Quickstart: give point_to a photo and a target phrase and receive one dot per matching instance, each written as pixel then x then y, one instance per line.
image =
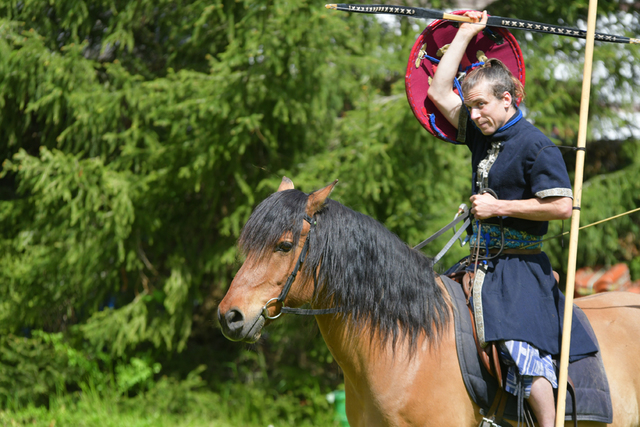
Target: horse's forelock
pixel 279 213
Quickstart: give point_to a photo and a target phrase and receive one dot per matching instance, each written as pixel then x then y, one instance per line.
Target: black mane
pixel 364 268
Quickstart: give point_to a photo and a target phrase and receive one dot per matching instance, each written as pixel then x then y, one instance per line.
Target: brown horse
pixel 394 337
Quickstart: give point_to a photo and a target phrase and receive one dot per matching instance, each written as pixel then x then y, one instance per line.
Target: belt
pixel 516 251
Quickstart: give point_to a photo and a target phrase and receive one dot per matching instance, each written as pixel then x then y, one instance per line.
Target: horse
pixel 387 317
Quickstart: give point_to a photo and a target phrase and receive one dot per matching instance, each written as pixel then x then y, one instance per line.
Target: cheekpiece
pixel 426 54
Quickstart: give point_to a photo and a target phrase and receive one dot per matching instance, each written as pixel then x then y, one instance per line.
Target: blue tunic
pixel 521 299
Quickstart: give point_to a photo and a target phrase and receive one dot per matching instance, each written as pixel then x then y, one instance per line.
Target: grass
pixel 91 410
pixel 242 407
pixel 96 391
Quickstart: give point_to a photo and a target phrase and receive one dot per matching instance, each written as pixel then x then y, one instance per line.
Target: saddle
pixel 488 356
pixel 483 379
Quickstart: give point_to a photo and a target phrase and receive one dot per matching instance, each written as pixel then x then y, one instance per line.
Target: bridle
pixel 287 287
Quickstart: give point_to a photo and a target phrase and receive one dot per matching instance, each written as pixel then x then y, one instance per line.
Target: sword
pixel 493 21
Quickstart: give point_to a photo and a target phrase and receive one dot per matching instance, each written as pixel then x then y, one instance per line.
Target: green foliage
pixel 82 388
pixel 32 369
pixel 604 196
pixel 133 183
pixel 137 373
pixel 76 208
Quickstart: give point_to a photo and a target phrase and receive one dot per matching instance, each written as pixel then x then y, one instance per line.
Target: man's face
pixel 488 112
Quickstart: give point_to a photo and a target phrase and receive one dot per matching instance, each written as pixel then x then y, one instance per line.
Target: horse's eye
pixel 284 247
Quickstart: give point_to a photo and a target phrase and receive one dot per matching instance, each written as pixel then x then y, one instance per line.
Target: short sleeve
pixel 549 177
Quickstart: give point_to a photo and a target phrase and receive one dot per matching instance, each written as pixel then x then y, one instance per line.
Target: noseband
pixel 287 287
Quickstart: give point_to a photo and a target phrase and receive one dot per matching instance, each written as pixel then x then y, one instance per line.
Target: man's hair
pixel 499 78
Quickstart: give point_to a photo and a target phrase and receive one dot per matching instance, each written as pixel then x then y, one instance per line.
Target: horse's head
pixel 273 240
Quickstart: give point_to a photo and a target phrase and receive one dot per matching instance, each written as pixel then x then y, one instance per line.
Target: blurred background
pixel 136 137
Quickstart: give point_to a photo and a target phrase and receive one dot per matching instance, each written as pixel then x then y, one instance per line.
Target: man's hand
pixel 479 19
pixel 483 206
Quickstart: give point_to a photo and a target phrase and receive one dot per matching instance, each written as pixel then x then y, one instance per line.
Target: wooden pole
pixel 575 217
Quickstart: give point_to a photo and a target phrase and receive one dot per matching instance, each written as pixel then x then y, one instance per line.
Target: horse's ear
pixel 286 184
pixel 317 199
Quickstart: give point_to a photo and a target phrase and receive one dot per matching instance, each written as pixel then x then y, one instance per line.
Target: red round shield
pixel 425 56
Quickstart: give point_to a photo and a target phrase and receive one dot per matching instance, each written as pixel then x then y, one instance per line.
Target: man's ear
pixel 507 99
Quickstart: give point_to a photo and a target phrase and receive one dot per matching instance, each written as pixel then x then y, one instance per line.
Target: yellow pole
pixel 575 217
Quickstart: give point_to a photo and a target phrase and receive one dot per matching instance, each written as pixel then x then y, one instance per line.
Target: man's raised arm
pixel 441 89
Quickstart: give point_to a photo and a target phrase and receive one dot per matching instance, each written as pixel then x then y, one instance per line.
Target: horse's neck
pixel 384 382
pixel 359 355
pixel 358 352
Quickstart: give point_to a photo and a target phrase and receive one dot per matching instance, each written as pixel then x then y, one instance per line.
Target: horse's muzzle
pixel 236 327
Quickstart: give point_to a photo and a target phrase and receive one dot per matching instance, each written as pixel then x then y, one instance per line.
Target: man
pixel 517 299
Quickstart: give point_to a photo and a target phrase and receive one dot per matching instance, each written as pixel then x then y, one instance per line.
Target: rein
pixel 462 215
pixel 287 287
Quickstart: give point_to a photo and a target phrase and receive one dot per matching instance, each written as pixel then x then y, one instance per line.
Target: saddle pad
pixel 588 375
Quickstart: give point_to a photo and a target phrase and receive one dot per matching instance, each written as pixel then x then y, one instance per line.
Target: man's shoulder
pixel 532 136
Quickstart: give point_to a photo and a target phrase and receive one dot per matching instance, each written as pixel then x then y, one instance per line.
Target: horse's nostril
pixel 234 317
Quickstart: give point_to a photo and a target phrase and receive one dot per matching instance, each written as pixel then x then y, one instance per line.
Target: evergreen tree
pixel 137 138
